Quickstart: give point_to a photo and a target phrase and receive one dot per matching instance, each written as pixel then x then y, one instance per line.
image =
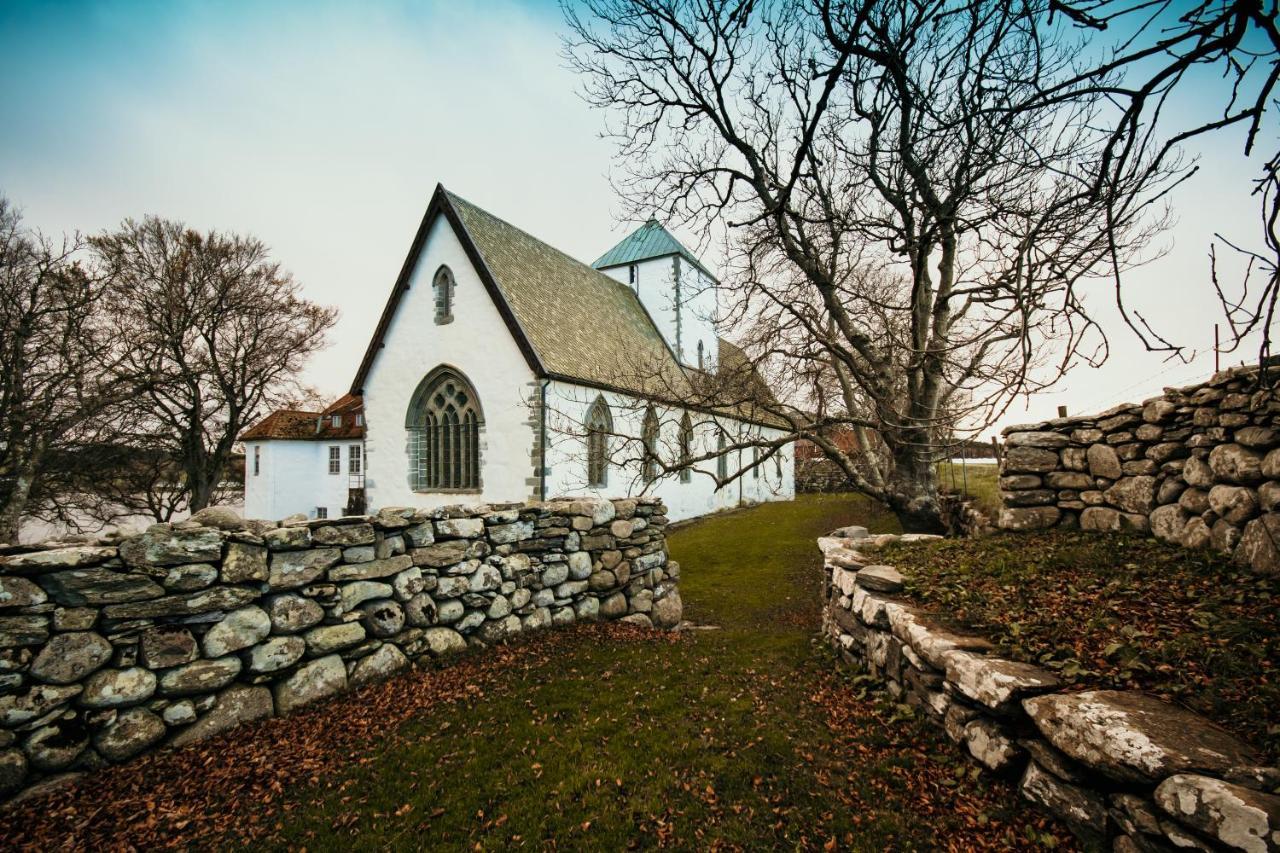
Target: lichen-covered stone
pixel 1239 818
pixel 1029 460
pixel 38 562
pixel 1232 463
pixel 991 745
pixel 202 676
pixel 238 630
pixel 668 610
pixel 187 604
pixel 68 658
pixel 292 613
pixel 162 545
pixel 994 682
pixel 316 680
pixel 343 534
pixel 371 570
pixel 244 563
pixel 235 705
pixel 332 638
pixel 444 641
pixel 166 646
pixel 41 699
pixel 97 586
pixel 1133 494
pixel 382 664
pixel 117 688
pixel 1259 546
pixel 20 592
pixel 1079 807
pixel 1103 461
pixel 1133 737
pixel 133 731
pixel 292 569
pixel 1029 518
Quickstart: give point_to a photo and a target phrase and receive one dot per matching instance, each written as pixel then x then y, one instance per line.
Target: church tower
pixel 674 287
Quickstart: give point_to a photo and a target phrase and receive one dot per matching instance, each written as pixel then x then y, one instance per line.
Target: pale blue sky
pixel 322 128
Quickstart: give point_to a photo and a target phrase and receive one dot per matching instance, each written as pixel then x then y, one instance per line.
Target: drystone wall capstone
pixel 1124 770
pixel 112 648
pixel 1197 466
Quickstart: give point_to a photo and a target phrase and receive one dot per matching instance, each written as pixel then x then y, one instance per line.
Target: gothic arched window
pixel 444 422
pixel 686 448
pixel 442 287
pixel 701 351
pixel 649 435
pixel 599 426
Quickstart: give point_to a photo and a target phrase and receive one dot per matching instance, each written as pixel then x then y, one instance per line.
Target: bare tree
pixel 908 218
pixel 1233 46
pixel 55 362
pixel 224 332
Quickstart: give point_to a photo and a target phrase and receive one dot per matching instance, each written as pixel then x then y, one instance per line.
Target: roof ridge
pixel 454 197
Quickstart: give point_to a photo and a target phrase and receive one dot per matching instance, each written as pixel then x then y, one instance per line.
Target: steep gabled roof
pixel 570 321
pixel 648 241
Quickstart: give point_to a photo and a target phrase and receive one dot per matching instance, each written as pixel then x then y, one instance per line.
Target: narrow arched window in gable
pixel 701 352
pixel 686 448
pixel 649 435
pixel 599 424
pixel 444 422
pixel 442 288
pixel 722 460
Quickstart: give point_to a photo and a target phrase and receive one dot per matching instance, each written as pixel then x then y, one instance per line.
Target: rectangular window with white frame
pixel 335 459
pixel 322 512
pixel 354 460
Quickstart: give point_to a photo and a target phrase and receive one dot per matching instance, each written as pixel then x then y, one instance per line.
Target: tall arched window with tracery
pixel 442 287
pixel 599 424
pixel 444 422
pixel 686 448
pixel 649 435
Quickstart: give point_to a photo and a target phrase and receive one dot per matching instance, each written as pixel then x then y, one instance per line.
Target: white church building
pixel 504 370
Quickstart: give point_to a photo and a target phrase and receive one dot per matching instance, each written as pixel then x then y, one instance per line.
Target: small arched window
pixel 649 435
pixel 686 448
pixel 722 461
pixel 442 287
pixel 599 426
pixel 443 422
pixel 700 355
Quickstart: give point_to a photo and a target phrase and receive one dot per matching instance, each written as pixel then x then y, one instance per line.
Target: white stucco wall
pixel 656 287
pixel 477 344
pixel 293 477
pixel 566 456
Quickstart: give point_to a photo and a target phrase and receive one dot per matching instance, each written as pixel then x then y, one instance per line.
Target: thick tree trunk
pixel 913 493
pixel 15 507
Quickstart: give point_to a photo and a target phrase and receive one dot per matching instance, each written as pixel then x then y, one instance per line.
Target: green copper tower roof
pixel 649 241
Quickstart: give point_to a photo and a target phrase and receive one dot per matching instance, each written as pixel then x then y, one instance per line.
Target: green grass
pixel 714 739
pixel 597 737
pixel 1117 611
pixel 978 480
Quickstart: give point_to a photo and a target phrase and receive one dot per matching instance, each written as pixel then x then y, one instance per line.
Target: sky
pixel 323 127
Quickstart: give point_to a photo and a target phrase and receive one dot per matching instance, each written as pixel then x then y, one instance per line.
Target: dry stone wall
pixel 1198 466
pixel 111 649
pixel 1126 771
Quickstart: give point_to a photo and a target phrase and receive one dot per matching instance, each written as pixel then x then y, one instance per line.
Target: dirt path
pixel 742 736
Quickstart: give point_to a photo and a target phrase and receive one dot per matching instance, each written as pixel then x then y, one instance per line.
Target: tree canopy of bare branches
pixel 221 331
pixel 56 357
pixel 909 218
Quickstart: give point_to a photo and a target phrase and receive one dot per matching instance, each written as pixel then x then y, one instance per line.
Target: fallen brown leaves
pixel 235 786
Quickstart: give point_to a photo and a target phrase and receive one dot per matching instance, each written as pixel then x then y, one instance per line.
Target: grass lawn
pixel 601 737
pixel 979 480
pixel 1117 611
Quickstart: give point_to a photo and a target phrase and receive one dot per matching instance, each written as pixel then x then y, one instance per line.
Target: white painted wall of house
pixel 567 407
pixel 293 476
pixel 478 344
